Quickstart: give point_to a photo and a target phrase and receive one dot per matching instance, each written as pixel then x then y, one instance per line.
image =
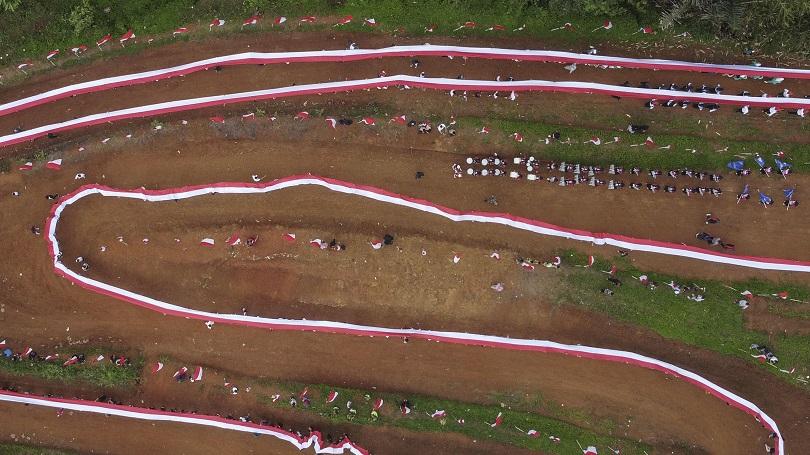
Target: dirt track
pixel 205 156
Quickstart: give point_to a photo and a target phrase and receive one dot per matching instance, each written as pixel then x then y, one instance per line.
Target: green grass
pixel 24 449
pixel 103 374
pixel 706 158
pixel 716 323
pixel 475 418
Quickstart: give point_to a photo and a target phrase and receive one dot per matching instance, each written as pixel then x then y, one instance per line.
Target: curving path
pixel 248 58
pixel 355 329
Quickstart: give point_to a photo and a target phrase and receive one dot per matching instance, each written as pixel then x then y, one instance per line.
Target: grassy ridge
pixel 23 449
pixel 716 324
pixel 476 419
pixel 103 374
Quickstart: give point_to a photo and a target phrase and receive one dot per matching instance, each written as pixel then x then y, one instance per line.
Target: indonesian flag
pixel 484 130
pixel 782 295
pixel 607 25
pixel 23 66
pixel 332 122
pixel 48 357
pixel 456 258
pixel 2 343
pixel 533 433
pixel 527 266
pixel 303 115
pixel 104 39
pixel 71 361
pixel 404 409
pixel 518 137
pixel 376 244
pixel 126 37
pixel 179 372
pixel 368 121
pixel 371 22
pixel 495 255
pixel 218 119
pixel 497 27
pixel 233 240
pixel 438 414
pixel 468 24
pixel 308 19
pixel 180 31
pixel 52 54
pixel 378 404
pixel 649 143
pixel 252 20
pixel 761 357
pixel 498 420
pixel 54 164
pixel 217 22
pixel 344 20
pixel 289 237
pixel 26 167
pixel 332 396
pixel 198 374
pixel 590 450
pixel 317 243
pixel 595 141
pixel 273 397
pixel 567 26
pixel 28 351
pixel 279 20
pixel 430 28
pixel 400 119
pixel 747 294
pixel 80 49
pixel 591 260
pixel 207 242
pixel 249 116
pixel 613 270
pixel 647 30
pixel 157 366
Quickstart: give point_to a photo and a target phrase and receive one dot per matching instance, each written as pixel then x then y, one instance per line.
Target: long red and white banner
pixel 314 440
pixel 449 337
pixel 250 58
pixel 398 80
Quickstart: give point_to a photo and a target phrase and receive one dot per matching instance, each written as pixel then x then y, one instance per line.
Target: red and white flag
pixel 304 393
pixel 252 20
pixel 747 294
pixel 157 366
pixel 518 137
pixel 332 396
pixel 207 242
pixel 180 31
pixel 533 433
pixel 590 450
pixel 78 50
pixel 233 240
pixel 198 375
pixel 495 255
pixel 179 372
pixel 607 25
pixel 438 414
pixel 104 40
pixel 456 258
pixel 566 26
pixel 126 37
pixel 217 22
pixel 249 116
pixel 595 141
pixel 71 361
pixel 782 295
pixel 52 54
pixel 23 66
pixel 646 30
pixel 496 27
pixel 371 22
pixel 527 266
pixel 47 357
pixel 378 403
pixel 308 19
pixel 468 24
pixel 400 119
pixel 484 130
pixel 430 28
pixel 26 167
pixel 404 409
pixel 332 122
pixel 649 143
pixel 279 20
pixel 591 260
pixel 289 237
pixel 28 351
pixel 376 244
pixel 54 164
pixel 218 119
pixel 613 270
pixel 303 115
pixel 344 20
pixel 368 121
pixel 498 420
pixel 317 243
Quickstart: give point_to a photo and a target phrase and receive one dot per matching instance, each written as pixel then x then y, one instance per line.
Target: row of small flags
pixel 278 20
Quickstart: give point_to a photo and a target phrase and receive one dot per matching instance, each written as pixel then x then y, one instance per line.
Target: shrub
pixel 81 17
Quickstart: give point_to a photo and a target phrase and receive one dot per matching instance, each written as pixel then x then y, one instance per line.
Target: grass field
pixel 22 449
pixel 103 374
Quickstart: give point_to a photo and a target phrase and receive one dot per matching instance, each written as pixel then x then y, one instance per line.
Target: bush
pixel 81 17
pixel 9 5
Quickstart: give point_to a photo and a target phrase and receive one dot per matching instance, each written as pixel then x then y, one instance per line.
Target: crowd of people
pixel 29 354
